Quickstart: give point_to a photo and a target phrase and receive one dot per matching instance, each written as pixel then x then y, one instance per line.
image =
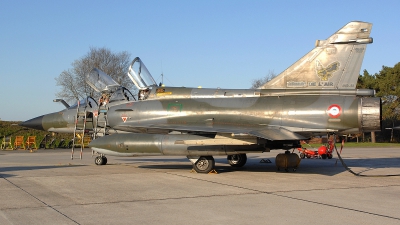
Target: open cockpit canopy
pixel 100 81
pixel 108 87
pixel 139 74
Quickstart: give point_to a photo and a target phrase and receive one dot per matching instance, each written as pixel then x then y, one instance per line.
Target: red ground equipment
pixel 322 152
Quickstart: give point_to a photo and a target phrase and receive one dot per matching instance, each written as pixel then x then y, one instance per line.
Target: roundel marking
pixel 334 111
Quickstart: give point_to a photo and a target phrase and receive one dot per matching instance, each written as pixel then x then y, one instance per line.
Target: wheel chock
pixel 213 172
pixel 265 161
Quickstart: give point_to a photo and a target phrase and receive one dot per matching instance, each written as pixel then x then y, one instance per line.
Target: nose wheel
pixel 100 160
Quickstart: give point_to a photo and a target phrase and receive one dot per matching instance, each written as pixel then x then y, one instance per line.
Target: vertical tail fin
pixel 334 63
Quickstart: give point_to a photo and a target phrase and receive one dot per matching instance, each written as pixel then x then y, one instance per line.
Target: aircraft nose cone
pixel 35 123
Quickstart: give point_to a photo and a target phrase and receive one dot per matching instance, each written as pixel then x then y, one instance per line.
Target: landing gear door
pixel 100 81
pixel 139 74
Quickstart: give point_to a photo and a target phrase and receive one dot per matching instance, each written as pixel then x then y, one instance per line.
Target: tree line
pixel 386 83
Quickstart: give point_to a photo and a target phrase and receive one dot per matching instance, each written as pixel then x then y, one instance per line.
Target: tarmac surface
pixel 47 187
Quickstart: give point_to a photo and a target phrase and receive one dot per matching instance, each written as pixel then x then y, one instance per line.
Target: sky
pixel 208 43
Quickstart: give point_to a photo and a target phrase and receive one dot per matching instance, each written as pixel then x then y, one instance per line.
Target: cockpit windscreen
pixel 88 102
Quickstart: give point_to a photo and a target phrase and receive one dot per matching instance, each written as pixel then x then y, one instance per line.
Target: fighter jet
pixel 314 96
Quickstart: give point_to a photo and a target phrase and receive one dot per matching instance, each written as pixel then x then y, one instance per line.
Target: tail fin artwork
pixel 334 63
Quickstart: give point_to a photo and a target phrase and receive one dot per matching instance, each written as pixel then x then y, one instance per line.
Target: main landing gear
pixel 238 160
pixel 100 160
pixel 205 164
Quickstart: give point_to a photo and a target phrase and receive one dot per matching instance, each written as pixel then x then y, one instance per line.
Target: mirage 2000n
pixel 314 96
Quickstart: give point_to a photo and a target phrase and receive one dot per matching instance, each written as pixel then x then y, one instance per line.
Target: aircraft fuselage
pixel 296 113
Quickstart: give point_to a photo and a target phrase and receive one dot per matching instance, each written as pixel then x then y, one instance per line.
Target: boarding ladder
pixel 101 122
pixel 80 128
pixel 101 126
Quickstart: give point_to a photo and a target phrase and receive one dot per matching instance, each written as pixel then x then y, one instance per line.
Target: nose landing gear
pixel 100 160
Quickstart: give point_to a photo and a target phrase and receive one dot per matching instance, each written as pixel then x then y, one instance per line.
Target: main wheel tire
pixel 99 160
pixel 204 164
pixel 323 156
pixel 238 160
pixel 329 156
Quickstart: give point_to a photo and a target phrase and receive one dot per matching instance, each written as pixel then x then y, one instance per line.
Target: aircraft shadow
pixel 328 167
pixel 25 168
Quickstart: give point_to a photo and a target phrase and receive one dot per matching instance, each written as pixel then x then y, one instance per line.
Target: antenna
pixel 162 74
